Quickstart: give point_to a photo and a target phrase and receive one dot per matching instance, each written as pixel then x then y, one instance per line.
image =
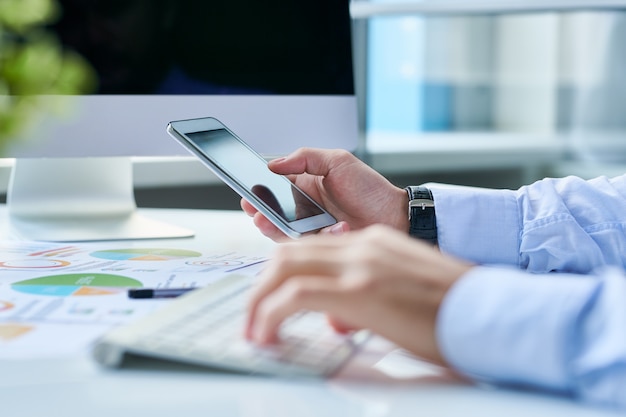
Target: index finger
pixel 291 259
pixel 314 161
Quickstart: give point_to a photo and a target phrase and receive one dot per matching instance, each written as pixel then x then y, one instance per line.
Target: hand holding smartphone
pixel 246 172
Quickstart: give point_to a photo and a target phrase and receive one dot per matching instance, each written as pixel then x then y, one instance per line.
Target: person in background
pixel 516 287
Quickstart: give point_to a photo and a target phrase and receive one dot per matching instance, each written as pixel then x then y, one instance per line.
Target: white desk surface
pixel 379 382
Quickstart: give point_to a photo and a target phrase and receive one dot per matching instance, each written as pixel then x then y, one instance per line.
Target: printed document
pixel 56 299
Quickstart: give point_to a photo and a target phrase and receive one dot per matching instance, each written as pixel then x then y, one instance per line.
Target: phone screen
pixel 251 171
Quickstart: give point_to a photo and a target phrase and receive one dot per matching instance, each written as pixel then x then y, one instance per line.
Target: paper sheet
pixel 56 299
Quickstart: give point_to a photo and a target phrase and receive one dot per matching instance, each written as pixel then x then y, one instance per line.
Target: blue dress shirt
pixel 547 305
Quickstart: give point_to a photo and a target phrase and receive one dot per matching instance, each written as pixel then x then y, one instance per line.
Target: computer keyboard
pixel 205 327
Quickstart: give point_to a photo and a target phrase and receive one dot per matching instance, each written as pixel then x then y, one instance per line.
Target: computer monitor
pixel 277 72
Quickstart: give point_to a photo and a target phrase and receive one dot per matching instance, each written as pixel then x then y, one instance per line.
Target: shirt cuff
pixel 504 326
pixel 480 225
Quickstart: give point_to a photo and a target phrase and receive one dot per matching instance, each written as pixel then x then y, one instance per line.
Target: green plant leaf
pixel 21 15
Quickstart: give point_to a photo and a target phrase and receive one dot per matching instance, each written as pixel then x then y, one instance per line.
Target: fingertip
pixel 261 334
pixel 247 207
pixel 275 164
pixel 337 229
pixel 248 331
pixel 268 229
pixel 277 160
pixel 339 326
pixel 271 339
pixel 262 223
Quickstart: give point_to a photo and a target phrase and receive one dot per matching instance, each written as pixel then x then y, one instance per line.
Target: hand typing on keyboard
pixel 205 327
pixel 384 290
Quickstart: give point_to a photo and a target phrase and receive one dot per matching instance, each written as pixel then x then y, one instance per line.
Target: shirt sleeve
pixel 547 305
pixel 553 225
pixel 559 332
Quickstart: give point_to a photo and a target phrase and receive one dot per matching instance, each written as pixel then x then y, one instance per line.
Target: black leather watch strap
pixel 422 219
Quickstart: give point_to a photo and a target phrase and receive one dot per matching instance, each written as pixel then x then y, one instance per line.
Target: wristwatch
pixel 422 220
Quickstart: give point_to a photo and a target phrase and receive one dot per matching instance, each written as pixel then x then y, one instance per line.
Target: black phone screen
pixel 244 166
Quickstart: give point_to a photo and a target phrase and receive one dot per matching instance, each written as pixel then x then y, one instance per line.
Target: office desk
pixel 381 381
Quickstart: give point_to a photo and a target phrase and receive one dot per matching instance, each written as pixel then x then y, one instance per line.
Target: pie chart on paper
pixel 146 254
pixel 68 285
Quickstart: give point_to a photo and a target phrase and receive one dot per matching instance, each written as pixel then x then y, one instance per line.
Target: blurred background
pixel 545 80
pixel 484 93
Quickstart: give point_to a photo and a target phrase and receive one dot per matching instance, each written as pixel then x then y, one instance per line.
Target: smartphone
pixel 246 172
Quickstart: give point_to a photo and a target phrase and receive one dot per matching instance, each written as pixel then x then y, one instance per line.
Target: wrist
pixel 399 219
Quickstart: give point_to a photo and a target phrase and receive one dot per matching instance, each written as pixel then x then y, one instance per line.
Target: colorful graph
pixel 13 331
pixel 146 254
pixel 57 252
pixel 5 305
pixel 34 263
pixel 215 262
pixel 76 285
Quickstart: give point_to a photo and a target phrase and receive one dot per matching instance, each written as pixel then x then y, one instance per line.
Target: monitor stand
pixel 79 199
